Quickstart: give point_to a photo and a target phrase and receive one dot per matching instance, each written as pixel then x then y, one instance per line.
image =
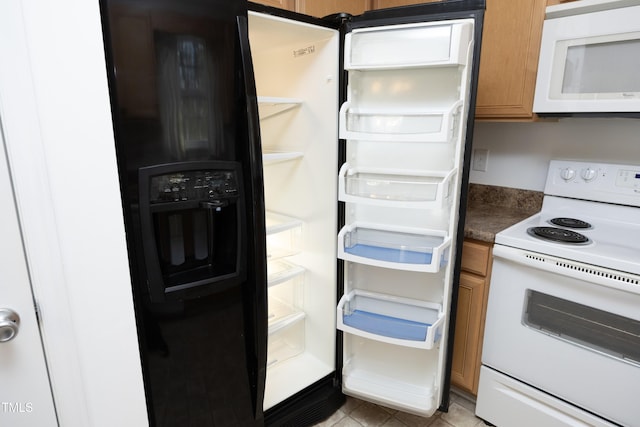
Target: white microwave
pixel 590 59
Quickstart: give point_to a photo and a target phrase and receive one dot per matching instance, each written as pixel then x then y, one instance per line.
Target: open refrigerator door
pixel 404 123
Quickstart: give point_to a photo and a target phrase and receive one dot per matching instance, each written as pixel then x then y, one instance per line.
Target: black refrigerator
pixel 293 192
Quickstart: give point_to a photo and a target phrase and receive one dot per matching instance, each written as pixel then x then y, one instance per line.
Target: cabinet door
pixel 282 4
pixel 468 333
pixel 476 257
pixel 509 58
pixel 382 4
pixel 322 8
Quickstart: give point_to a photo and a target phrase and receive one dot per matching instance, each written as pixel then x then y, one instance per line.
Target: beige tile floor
pixel 357 413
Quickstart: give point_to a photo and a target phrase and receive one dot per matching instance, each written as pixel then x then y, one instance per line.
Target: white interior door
pixel 25 394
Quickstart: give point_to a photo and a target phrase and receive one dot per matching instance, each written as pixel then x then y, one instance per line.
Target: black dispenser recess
pixel 191 217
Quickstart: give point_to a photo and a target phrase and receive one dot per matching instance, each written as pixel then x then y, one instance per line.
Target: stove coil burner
pixel 558 235
pixel 570 223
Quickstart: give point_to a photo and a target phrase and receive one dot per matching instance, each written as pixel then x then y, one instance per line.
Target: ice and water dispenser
pixel 192 220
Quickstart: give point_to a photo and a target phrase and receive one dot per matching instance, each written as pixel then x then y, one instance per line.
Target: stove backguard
pixel 192 221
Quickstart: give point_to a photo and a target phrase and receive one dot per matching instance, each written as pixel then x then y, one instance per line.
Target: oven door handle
pixel 589 273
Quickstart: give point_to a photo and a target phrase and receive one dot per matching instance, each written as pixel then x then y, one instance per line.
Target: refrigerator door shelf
pixel 283 235
pixel 271 157
pixel 400 248
pixel 420 125
pixel 389 391
pixel 395 187
pixel 408 45
pixel 391 319
pixel 270 105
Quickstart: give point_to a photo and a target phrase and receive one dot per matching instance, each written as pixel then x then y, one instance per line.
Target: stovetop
pixel 608 234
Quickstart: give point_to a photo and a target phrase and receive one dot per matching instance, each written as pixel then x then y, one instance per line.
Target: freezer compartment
pixel 394 247
pixel 395 187
pixel 283 235
pixel 398 377
pixel 427 124
pixel 409 45
pixel 391 319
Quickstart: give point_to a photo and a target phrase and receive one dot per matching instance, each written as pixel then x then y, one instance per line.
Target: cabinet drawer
pixel 476 257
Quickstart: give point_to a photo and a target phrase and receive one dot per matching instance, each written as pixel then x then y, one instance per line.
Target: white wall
pixel 519 153
pixel 56 120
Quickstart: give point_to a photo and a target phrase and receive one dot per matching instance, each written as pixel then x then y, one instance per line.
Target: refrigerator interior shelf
pixel 282 315
pixel 270 105
pixel 421 125
pixel 282 271
pixel 400 248
pixel 408 45
pixel 285 340
pixel 269 158
pixel 394 187
pixel 283 235
pixel 389 391
pixel 278 223
pixel 391 319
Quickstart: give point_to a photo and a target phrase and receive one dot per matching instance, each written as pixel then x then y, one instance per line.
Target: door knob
pixel 9 324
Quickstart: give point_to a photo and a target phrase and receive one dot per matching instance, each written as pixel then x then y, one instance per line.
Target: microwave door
pixel 589 61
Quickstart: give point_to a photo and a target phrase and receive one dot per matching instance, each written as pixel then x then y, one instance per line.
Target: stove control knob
pixel 588 174
pixel 567 174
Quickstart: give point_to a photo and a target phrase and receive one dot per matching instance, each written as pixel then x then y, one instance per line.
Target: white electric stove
pixel 592 208
pixel 562 333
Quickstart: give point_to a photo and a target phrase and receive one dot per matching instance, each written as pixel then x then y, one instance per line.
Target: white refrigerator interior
pixel 404 121
pixel 296 71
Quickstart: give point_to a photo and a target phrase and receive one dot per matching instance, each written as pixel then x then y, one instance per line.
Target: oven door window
pixel 588 327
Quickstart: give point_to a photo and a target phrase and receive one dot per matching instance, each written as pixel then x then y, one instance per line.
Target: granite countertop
pixel 491 209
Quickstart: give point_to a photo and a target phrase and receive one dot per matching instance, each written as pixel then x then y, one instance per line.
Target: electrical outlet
pixel 480 159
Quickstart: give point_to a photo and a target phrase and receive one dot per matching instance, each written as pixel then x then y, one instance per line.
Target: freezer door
pixel 192 206
pixel 410 96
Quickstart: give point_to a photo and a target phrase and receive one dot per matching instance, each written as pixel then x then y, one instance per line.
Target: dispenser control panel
pixel 197 185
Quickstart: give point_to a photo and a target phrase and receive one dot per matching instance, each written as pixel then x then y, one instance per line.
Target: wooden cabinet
pixel 322 8
pixel 472 303
pixel 509 59
pixel 282 4
pixel 381 4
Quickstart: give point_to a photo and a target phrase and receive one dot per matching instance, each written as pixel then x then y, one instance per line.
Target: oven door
pixel 568 329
